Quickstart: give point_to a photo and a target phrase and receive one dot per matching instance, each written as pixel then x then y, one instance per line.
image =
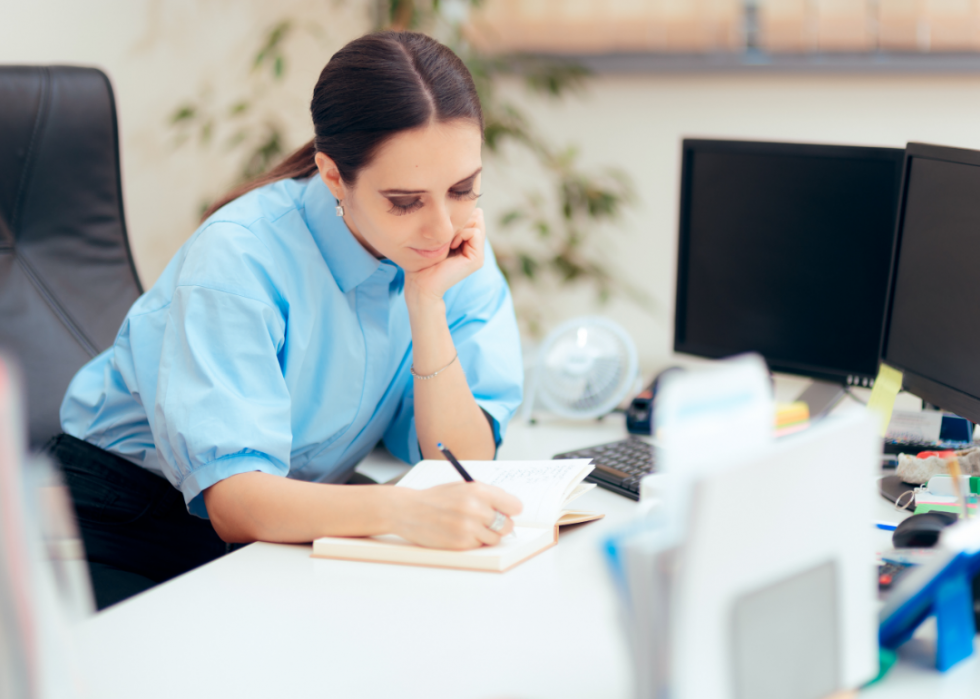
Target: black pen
pixel 452 459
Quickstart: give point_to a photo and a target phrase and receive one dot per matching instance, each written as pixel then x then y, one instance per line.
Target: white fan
pixel 584 369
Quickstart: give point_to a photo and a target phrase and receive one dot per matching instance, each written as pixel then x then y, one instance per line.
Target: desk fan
pixel 584 369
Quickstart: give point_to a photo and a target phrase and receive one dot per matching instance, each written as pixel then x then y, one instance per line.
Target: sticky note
pixel 883 395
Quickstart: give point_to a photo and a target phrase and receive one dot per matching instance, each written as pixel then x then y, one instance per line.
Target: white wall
pixel 160 53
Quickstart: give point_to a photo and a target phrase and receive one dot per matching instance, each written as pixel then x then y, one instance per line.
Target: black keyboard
pixel 619 466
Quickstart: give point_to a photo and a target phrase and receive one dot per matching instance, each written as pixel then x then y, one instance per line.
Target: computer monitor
pixel 784 249
pixel 932 331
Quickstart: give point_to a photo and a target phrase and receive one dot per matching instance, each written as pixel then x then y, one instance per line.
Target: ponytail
pixel 300 163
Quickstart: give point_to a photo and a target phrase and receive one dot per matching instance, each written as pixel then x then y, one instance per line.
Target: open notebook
pixel 543 487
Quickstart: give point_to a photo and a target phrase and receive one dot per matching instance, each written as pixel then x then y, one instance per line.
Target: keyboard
pixel 619 466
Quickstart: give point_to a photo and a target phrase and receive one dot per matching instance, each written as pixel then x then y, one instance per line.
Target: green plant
pixel 240 126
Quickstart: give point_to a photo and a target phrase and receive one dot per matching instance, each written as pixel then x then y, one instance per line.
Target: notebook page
pixel 541 486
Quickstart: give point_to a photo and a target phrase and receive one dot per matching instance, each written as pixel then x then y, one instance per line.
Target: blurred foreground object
pixel 736 582
pixel 36 607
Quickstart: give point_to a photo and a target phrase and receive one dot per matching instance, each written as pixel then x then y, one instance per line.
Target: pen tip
pixel 439 445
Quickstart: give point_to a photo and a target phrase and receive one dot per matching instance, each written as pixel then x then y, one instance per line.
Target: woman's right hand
pixel 454 515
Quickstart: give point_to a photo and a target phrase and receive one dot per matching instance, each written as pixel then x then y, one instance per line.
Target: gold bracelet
pixel 434 374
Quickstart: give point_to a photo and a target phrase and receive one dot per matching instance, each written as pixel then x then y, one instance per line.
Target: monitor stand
pixel 821 397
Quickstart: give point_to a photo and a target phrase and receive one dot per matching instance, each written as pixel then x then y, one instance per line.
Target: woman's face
pixel 416 195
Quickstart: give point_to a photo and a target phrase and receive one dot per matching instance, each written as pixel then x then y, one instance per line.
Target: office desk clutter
pixel 940 587
pixel 922 467
pixel 737 565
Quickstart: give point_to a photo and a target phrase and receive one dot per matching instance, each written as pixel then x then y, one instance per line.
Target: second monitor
pixel 785 249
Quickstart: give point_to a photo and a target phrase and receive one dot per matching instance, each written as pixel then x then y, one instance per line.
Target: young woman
pixel 347 297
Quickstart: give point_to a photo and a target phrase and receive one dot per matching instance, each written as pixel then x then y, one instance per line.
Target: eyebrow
pixel 402 192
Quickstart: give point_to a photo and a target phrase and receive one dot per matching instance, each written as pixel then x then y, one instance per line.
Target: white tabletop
pixel 269 621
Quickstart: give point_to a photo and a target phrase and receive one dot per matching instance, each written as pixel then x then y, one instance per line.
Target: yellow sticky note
pixel 886 388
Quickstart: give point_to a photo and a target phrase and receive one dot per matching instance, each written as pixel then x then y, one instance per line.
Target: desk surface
pixel 270 621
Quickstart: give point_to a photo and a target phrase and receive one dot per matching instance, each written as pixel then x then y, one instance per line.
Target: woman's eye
pixel 465 194
pixel 400 207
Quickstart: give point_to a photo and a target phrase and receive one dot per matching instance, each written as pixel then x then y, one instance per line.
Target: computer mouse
pixel 921 530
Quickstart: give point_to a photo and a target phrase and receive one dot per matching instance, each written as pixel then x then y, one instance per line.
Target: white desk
pixel 269 621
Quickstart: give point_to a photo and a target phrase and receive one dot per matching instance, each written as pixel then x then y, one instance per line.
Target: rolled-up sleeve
pixel 222 406
pixel 480 313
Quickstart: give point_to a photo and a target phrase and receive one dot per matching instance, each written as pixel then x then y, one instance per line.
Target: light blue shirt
pixel 274 342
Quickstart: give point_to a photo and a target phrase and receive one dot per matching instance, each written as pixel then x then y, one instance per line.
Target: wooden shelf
pixel 760 62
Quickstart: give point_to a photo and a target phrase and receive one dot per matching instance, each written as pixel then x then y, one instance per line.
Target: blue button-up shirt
pixel 273 341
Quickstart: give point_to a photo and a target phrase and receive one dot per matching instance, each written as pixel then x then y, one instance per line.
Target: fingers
pixel 507 528
pixel 474 226
pixel 479 508
pixel 502 501
pixel 487 537
pixel 457 515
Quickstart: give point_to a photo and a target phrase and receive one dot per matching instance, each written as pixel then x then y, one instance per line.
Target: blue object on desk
pixel 940 588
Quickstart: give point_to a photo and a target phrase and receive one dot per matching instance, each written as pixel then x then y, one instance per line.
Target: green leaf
pixel 264 154
pixel 512 217
pixel 553 77
pixel 238 108
pixel 272 46
pixel 278 67
pixel 206 130
pixel 567 268
pixel 529 266
pixel 184 113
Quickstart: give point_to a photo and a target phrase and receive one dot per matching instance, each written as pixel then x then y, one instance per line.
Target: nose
pixel 440 224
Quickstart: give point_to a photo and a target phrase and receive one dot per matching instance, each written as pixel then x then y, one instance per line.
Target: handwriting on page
pixel 524 476
pixel 539 486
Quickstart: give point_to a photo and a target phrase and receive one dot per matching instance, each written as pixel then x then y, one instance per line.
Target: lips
pixel 431 254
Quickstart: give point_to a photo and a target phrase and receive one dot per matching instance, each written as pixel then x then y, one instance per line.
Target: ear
pixel 330 175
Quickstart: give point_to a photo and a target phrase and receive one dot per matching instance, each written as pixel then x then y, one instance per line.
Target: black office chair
pixel 67 277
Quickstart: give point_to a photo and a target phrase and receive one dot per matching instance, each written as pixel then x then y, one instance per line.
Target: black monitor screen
pixel 933 333
pixel 785 250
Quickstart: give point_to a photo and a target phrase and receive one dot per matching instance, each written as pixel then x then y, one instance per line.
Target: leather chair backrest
pixel 67 277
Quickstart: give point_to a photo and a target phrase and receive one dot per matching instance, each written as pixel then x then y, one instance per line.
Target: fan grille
pixel 586 369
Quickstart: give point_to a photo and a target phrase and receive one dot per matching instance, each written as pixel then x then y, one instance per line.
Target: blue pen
pixel 887 526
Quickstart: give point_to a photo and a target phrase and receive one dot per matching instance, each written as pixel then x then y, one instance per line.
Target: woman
pixel 346 297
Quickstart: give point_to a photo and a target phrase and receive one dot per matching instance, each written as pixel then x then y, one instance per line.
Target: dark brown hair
pixel 370 90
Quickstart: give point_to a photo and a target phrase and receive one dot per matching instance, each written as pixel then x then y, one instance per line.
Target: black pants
pixel 135 526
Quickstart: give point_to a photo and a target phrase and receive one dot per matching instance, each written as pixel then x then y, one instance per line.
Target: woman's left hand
pixel 465 257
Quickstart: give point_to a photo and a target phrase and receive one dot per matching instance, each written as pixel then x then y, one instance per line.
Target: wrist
pixel 423 301
pixel 396 505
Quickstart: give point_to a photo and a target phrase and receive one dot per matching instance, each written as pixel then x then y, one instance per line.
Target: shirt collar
pixel 347 259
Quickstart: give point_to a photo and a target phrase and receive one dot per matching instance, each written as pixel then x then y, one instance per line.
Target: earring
pixel 340 208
